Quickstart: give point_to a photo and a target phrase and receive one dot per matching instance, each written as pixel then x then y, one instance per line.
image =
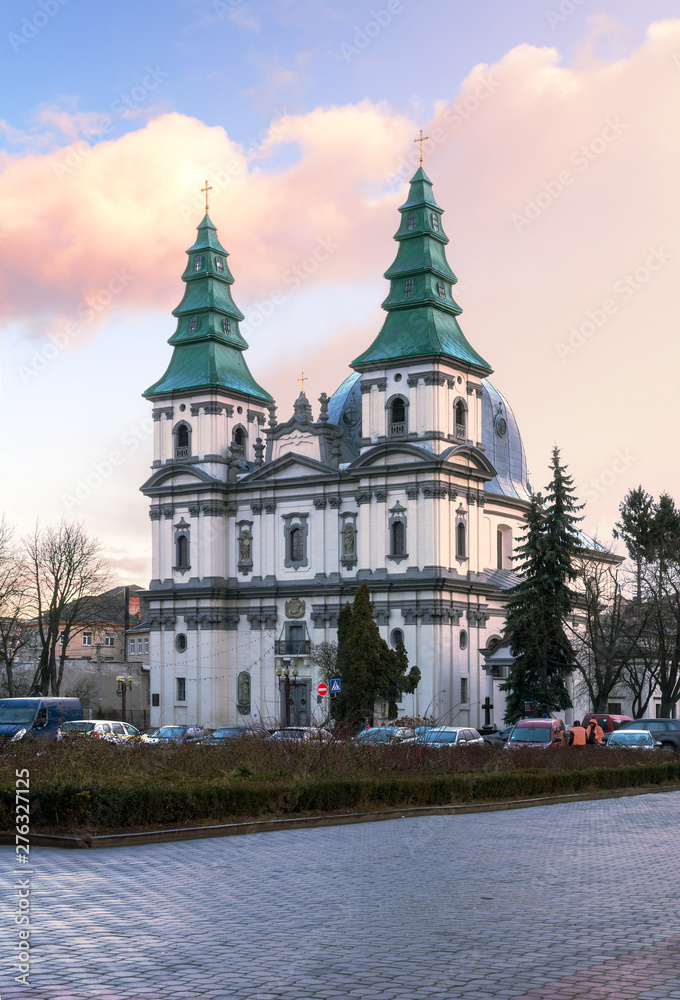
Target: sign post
pixel 322 689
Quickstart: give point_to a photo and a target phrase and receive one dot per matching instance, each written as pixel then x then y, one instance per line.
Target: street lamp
pixel 123 684
pixel 286 672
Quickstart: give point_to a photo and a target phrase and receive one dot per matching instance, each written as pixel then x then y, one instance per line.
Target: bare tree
pixel 605 630
pixel 15 633
pixel 67 574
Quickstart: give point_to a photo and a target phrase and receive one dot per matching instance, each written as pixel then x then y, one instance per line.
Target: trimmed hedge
pixel 126 804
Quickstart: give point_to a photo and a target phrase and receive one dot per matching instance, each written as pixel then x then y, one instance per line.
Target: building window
pixel 462 639
pixel 441 289
pixel 464 690
pixel 198 261
pixel 295 540
pixel 139 645
pixel 412 220
pixel 435 222
pixel 396 637
pixel 193 324
pixel 461 552
pixel 408 287
pixel 499 549
pixel 297 545
pixel 398 539
pixel 181 688
pixel 109 639
pixel 219 264
pixel 460 419
pixel 131 646
pixel 155 700
pixel 182 544
pixel 146 645
pixel 87 638
pixel 397 416
pixel 238 442
pixel 614 708
pixel 243 693
pixel 504 548
pixel 226 326
pixel 181 643
pixel 182 441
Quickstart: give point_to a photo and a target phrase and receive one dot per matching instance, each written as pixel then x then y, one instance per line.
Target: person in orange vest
pixel 577 736
pixel 595 733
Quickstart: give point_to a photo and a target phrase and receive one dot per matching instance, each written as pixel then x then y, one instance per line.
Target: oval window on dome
pixel 412 220
pixel 441 289
pixel 408 287
pixel 501 426
pixel 219 264
pixel 193 324
pixel 226 326
pixel 198 261
pixel 435 222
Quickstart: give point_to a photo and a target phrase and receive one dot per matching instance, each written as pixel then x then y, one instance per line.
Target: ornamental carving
pixel 295 608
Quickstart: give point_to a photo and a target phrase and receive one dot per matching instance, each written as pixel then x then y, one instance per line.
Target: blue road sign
pixel 335 685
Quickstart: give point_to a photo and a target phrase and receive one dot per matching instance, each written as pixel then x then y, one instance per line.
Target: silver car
pixel 632 739
pixel 381 735
pixel 450 736
pixel 98 729
pixel 302 734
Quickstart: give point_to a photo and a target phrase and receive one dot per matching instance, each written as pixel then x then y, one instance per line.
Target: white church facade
pixel 411 478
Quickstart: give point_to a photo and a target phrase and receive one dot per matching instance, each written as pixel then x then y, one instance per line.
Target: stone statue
pixel 244 545
pixel 348 539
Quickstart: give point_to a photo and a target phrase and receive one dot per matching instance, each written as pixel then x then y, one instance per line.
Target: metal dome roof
pixel 503 446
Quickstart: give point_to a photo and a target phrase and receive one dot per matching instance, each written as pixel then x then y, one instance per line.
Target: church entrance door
pixel 299 702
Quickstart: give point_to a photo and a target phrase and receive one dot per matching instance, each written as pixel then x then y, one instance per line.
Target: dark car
pixel 385 734
pixel 500 738
pixel 228 733
pixel 177 734
pixel 665 731
pixel 36 718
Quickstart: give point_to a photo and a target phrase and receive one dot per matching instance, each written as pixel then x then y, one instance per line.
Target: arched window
pixel 198 261
pixel 397 637
pixel 408 287
pixel 462 639
pixel 460 419
pixel 297 545
pixel 219 264
pixel 238 442
pixel 226 326
pixel 412 220
pixel 193 324
pixel 441 289
pixel 503 548
pixel 182 441
pixel 398 416
pixel 182 543
pixel 398 533
pixel 435 222
pixel 461 540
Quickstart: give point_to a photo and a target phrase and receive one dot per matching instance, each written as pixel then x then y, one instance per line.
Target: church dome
pixel 500 435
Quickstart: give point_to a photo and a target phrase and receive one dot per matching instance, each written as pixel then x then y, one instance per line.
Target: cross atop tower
pixel 421 140
pixel 209 187
pixel 303 378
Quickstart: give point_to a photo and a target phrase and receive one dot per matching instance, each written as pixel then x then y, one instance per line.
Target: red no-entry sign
pixel 322 689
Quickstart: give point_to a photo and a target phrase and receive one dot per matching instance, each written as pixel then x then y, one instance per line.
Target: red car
pixel 609 723
pixel 537 733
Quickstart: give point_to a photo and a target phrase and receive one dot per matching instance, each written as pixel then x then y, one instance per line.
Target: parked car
pixel 537 733
pixel 500 738
pixel 177 734
pixel 449 736
pixel 35 718
pixel 632 739
pixel 99 729
pixel 666 731
pixel 302 734
pixel 609 723
pixel 382 735
pixel 228 733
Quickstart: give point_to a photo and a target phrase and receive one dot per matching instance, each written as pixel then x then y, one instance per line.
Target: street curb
pixel 311 822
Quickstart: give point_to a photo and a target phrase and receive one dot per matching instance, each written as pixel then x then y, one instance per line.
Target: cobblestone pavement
pixel 548 903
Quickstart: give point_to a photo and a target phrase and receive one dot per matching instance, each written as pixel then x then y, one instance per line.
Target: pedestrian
pixel 577 736
pixel 595 733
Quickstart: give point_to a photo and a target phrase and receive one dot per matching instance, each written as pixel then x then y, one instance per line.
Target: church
pixel 410 477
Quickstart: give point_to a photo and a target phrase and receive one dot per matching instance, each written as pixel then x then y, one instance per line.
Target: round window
pixel 462 639
pixel 397 377
pixel 181 643
pixel 501 426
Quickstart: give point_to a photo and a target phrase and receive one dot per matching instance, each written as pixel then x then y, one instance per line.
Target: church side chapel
pixel 411 478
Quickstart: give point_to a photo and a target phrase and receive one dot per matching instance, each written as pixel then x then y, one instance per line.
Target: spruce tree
pixel 540 604
pixel 636 529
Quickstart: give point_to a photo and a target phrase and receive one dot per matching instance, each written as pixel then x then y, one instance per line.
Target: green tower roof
pixel 422 314
pixel 208 345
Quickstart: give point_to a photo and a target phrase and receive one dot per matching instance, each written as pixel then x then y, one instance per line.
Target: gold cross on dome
pixel 421 140
pixel 209 188
pixel 303 378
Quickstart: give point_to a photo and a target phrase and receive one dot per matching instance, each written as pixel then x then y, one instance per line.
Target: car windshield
pixel 531 734
pixel 77 727
pixel 289 734
pixel 169 732
pixel 377 735
pixel 16 713
pixel 223 734
pixel 630 739
pixel 439 736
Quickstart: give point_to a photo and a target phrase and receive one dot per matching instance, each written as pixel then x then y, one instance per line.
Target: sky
pixel 553 146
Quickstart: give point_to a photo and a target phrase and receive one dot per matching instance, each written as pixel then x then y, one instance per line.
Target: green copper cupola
pixel 208 344
pixel 422 314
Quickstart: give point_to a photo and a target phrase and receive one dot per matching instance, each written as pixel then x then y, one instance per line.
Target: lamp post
pixel 123 684
pixel 286 672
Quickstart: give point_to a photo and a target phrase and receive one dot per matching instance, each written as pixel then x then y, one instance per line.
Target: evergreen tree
pixel 540 604
pixel 636 529
pixel 367 667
